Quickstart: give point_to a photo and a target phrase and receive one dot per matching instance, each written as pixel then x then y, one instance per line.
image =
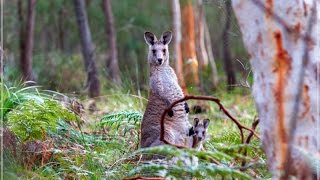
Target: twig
pixel 253 127
pixel 249 166
pixel 208 98
pixel 244 83
pixel 144 178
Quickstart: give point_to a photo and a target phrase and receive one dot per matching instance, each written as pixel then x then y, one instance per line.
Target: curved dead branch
pixel 253 127
pixel 207 98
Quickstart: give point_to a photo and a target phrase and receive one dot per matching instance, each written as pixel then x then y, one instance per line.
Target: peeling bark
pixel 188 44
pixel 277 35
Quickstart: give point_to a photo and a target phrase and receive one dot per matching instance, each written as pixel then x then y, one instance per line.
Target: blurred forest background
pixel 55 60
pixel 75 49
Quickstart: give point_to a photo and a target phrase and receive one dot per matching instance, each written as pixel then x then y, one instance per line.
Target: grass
pixel 107 144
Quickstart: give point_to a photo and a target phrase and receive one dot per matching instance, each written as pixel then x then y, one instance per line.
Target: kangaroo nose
pixel 160 61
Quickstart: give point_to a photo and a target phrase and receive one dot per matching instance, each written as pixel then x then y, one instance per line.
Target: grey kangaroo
pixel 198 133
pixel 164 89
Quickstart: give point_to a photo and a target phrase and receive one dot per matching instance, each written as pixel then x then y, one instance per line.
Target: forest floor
pixel 49 135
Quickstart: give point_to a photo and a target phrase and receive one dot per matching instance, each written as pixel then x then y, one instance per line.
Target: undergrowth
pixel 32 120
pixel 107 145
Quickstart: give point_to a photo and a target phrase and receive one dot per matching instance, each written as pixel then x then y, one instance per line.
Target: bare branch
pixel 253 127
pixel 244 83
pixel 207 98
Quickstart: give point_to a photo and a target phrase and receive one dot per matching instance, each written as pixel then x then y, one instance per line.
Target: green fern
pixel 33 119
pixel 124 117
pixel 14 96
pixel 190 163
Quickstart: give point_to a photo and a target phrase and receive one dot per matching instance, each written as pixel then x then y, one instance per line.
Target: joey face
pixel 158 49
pixel 200 128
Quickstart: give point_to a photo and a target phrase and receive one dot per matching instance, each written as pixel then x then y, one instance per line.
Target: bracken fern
pixel 119 118
pixel 186 163
pixel 33 119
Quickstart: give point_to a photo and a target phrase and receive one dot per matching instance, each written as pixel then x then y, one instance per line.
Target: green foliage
pixel 64 72
pixel 111 151
pixel 110 154
pixel 187 163
pixel 120 118
pixel 32 120
pixel 14 96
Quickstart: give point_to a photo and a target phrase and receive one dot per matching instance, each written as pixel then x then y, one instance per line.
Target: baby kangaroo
pixel 198 133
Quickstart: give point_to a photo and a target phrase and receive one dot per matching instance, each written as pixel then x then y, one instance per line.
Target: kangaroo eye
pixel 164 51
pixel 196 132
pixel 203 132
pixel 154 51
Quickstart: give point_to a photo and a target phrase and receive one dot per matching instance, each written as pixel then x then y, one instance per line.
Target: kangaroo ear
pixel 166 37
pixel 206 123
pixel 150 38
pixel 195 122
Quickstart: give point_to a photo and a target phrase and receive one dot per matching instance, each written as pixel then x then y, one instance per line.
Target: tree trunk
pixel 1 64
pixel 214 71
pixel 26 39
pixel 228 65
pixel 112 59
pixel 61 32
pixel 87 48
pixel 177 44
pixel 188 44
pixel 21 34
pixel 202 53
pixel 283 44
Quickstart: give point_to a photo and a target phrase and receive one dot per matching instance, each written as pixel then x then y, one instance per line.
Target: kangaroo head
pixel 200 128
pixel 158 49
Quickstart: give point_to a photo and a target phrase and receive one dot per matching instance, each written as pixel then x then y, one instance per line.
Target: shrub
pixel 31 120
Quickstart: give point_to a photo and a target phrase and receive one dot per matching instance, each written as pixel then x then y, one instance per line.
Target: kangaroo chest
pixel 167 82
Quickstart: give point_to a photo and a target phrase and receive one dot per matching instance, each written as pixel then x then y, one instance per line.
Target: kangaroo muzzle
pixel 159 58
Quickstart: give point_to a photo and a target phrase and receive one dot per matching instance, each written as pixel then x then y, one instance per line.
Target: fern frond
pixel 32 119
pixel 15 96
pixel 187 162
pixel 119 118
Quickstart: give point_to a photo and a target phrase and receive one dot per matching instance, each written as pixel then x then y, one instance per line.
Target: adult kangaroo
pixel 164 89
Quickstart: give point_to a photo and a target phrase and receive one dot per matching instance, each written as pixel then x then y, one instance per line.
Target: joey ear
pixel 206 123
pixel 195 122
pixel 166 37
pixel 150 38
pixel 191 131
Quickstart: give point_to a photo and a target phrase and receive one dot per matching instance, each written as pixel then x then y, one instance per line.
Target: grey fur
pixel 164 89
pixel 199 133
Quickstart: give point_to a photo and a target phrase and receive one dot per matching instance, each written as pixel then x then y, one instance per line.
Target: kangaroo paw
pixel 186 107
pixel 170 113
